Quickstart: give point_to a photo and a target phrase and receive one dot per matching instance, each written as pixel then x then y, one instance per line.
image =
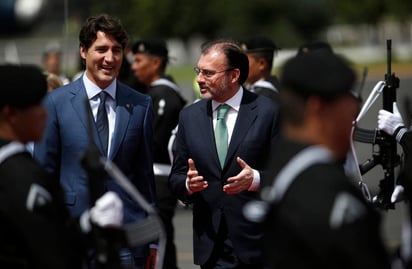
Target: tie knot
pixel 102 96
pixel 222 111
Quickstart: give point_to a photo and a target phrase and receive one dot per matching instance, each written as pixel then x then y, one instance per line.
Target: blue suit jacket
pixel 254 134
pixel 66 138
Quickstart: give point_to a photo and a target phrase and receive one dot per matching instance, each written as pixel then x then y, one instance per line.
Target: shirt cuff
pixel 256 181
pixel 399 132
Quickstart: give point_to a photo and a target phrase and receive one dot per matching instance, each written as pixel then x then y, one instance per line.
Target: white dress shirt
pixel 231 118
pixel 93 91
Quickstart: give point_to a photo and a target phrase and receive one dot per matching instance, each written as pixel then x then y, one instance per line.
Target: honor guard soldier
pixel 260 51
pixel 36 230
pixel 149 66
pixel 312 46
pixel 317 217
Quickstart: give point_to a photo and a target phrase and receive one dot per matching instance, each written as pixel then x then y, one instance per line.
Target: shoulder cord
pixel 165 82
pixel 256 210
pixel 303 160
pixel 10 149
pixel 264 84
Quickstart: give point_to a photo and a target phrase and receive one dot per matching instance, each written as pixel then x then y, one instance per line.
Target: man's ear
pixel 83 53
pixel 156 61
pixel 314 105
pixel 262 64
pixel 8 113
pixel 234 75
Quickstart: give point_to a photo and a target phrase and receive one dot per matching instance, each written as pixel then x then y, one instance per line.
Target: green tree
pixel 309 17
pixel 300 19
pixel 356 12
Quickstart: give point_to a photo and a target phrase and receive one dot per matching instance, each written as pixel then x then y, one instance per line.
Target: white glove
pixel 108 211
pixel 388 121
pixel 397 194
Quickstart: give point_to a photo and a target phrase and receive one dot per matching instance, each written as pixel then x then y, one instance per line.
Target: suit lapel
pixel 204 131
pixel 246 116
pixel 81 106
pixel 123 108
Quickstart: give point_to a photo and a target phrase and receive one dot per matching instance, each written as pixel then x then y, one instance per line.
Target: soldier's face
pixel 340 116
pixel 145 68
pixel 28 123
pixel 52 63
pixel 256 66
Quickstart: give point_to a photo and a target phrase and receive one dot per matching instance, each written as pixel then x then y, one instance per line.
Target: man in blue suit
pixel 220 175
pixel 128 115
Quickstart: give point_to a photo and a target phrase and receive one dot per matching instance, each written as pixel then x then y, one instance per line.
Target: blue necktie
pixel 221 135
pixel 102 122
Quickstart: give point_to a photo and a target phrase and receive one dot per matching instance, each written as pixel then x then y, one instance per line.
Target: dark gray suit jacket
pixel 254 134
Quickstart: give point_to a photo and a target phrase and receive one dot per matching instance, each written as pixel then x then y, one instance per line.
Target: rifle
pixel 107 242
pixel 386 155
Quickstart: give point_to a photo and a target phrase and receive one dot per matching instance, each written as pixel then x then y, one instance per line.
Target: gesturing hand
pixel 241 181
pixel 194 182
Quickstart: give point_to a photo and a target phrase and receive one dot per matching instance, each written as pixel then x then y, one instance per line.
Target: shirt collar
pixel 92 89
pixel 233 102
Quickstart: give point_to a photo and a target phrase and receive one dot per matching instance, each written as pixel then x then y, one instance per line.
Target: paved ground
pixel 183 226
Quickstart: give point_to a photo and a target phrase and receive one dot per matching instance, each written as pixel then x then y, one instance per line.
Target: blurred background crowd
pixel 357 29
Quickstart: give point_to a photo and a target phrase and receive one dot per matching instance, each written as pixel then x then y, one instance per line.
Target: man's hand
pixel 388 121
pixel 150 262
pixel 194 182
pixel 241 181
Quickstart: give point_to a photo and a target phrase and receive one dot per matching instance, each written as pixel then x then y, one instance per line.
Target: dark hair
pixel 106 24
pixel 266 55
pixel 235 56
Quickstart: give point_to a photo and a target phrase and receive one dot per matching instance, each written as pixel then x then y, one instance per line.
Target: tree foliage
pixel 355 11
pixel 290 21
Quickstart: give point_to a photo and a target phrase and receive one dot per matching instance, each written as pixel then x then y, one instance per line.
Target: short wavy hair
pixel 106 24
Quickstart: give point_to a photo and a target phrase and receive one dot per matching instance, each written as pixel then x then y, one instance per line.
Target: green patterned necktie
pixel 221 135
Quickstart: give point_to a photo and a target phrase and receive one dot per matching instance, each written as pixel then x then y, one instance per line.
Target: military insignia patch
pixel 346 209
pixel 37 197
pixel 141 48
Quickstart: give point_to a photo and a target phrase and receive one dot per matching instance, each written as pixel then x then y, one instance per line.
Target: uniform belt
pixel 161 169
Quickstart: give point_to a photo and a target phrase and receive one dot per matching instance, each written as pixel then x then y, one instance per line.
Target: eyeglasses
pixel 209 73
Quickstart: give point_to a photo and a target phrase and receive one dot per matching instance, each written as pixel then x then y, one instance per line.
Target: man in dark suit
pixel 217 181
pixel 128 125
